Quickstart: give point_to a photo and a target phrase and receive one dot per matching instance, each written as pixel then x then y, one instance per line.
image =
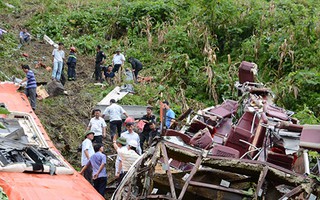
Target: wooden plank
pixel 166 161
pixel 261 181
pixel 232 190
pixel 192 173
pixel 294 191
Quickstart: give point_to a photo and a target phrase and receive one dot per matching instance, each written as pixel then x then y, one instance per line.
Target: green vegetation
pixel 3 195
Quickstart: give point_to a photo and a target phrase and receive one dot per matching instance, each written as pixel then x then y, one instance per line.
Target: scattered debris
pixel 9 5
pixel 249 148
pixel 115 94
pixel 41 93
pixel 55 88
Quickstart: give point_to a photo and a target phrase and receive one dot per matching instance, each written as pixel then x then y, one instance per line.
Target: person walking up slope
pixel 115 112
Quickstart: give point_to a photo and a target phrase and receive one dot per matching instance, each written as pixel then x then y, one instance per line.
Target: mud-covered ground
pixel 64 117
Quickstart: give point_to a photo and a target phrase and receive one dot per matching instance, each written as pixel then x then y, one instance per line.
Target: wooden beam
pixel 166 161
pixel 261 181
pixel 232 190
pixel 192 173
pixel 157 197
pixel 294 191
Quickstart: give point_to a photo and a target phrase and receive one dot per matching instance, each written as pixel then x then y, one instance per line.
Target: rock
pixel 55 88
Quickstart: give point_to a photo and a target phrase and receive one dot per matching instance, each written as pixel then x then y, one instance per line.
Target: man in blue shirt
pixel 99 174
pixel 24 36
pixel 31 88
pixel 170 115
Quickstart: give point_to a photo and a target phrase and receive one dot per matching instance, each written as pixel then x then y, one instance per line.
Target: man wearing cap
pixel 86 152
pixel 98 163
pixel 121 143
pixel 117 61
pixel 98 126
pixel 170 115
pixel 131 135
pixel 127 155
pixel 114 111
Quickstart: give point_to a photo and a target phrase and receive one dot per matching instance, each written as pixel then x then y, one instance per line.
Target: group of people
pixel 58 55
pixel 128 144
pixel 110 70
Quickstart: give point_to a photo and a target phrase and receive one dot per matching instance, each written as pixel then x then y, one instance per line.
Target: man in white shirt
pixel 86 152
pixel 117 61
pixel 114 111
pixel 128 156
pixel 58 57
pixel 98 126
pixel 131 135
pixel 122 144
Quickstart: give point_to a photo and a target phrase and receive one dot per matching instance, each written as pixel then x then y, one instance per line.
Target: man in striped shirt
pixel 31 85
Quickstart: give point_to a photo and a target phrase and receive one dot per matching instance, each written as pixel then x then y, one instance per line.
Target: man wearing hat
pixel 131 135
pixel 127 155
pixel 121 143
pixel 86 152
pixel 117 61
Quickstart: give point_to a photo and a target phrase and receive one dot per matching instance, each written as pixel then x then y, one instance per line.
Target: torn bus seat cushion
pixel 197 125
pixel 185 138
pixel 310 137
pixel 224 151
pixel 202 139
pixel 281 160
pixel 245 72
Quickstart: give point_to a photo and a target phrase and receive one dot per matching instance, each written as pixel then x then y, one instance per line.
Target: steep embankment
pixel 64 117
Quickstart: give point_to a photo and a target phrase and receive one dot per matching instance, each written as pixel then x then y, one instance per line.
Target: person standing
pixel 117 61
pixel 115 112
pixel 154 131
pixel 98 163
pixel 31 89
pixel 149 117
pixel 86 152
pixel 128 156
pixel 58 57
pixel 136 67
pixel 98 126
pixel 100 57
pixel 131 135
pixel 121 143
pixel 170 115
pixel 72 62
